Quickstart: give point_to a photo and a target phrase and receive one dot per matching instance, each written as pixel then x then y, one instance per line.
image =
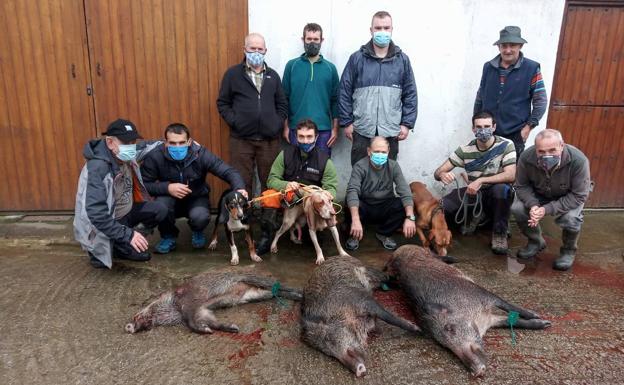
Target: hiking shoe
pixel 387 242
pixel 499 244
pixel 198 240
pixel 96 263
pixel 166 245
pixel 352 244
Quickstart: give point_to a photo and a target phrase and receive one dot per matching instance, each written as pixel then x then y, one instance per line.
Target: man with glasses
pixel 252 102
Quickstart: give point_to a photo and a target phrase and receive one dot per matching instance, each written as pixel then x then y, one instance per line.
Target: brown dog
pixel 318 212
pixel 430 217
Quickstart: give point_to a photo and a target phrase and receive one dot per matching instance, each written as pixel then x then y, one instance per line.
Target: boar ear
pixel 437 308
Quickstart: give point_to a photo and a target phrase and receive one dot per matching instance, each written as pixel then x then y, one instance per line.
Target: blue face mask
pixel 382 38
pixel 255 59
pixel 306 147
pixel 379 158
pixel 127 152
pixel 178 152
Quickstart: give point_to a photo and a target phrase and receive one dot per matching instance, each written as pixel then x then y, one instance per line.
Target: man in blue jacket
pixel 175 173
pixel 377 92
pixel 510 84
pixel 311 85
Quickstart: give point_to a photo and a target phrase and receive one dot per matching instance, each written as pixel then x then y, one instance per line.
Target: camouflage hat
pixel 510 34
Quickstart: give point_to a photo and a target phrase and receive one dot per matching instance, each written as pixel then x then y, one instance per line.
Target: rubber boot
pixel 267 226
pixel 536 241
pixel 567 251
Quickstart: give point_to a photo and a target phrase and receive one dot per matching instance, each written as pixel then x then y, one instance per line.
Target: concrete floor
pixel 63 322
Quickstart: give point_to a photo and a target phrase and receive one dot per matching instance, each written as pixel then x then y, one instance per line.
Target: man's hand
pixel 524 132
pixel 138 242
pixel 348 131
pixel 333 137
pixel 535 215
pixel 292 186
pixel 403 133
pixel 243 193
pixel 409 228
pixel 357 231
pixel 474 187
pixel 178 190
pixel 447 177
pixel 286 133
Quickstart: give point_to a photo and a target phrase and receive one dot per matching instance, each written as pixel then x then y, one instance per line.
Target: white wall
pixel 447 42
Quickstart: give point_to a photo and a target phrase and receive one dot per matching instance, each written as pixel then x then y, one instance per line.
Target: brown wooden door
pixel 587 104
pixel 46 115
pixel 160 61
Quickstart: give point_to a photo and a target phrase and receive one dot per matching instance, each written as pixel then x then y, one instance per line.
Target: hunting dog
pixel 430 217
pixel 234 216
pixel 318 212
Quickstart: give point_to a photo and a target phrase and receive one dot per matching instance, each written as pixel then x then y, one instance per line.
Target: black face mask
pixel 312 49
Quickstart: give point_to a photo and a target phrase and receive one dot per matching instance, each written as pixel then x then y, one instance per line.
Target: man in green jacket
pixel 311 83
pixel 300 163
pixel 552 178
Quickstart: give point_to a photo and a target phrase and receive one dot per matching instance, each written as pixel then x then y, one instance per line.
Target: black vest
pixel 307 171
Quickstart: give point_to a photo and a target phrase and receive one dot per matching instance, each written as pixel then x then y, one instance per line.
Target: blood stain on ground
pixel 251 345
pixel 395 301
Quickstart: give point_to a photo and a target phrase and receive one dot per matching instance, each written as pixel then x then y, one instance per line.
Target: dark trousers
pixel 518 142
pixel 361 143
pixel 496 199
pixel 150 214
pixel 196 209
pixel 246 155
pixel 388 215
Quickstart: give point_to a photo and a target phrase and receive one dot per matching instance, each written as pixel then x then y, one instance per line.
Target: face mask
pixel 311 49
pixel 127 152
pixel 178 152
pixel 379 158
pixel 254 59
pixel 548 162
pixel 484 134
pixel 382 38
pixel 306 147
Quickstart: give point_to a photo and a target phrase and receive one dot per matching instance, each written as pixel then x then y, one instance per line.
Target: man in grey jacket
pixel 371 198
pixel 111 198
pixel 552 178
pixel 377 95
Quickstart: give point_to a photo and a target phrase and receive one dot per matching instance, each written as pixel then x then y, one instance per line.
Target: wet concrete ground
pixel 63 321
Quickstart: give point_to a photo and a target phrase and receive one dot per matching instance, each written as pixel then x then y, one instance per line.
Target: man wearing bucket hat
pixel 512 89
pixel 111 199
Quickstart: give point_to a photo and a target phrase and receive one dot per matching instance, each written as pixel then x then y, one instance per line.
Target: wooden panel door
pixel 46 115
pixel 587 104
pixel 161 61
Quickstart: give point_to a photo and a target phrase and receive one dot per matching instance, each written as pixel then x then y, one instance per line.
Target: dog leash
pixel 461 217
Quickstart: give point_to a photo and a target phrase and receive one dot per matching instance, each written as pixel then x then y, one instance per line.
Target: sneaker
pixel 166 245
pixel 499 244
pixel 387 242
pixel 198 240
pixel 352 244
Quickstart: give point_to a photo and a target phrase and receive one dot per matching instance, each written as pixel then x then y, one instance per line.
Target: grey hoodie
pixel 94 224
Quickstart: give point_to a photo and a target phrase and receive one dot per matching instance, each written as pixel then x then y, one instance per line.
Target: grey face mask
pixel 548 162
pixel 484 134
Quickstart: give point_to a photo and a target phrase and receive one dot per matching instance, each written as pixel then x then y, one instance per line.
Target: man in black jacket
pixel 253 104
pixel 175 173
